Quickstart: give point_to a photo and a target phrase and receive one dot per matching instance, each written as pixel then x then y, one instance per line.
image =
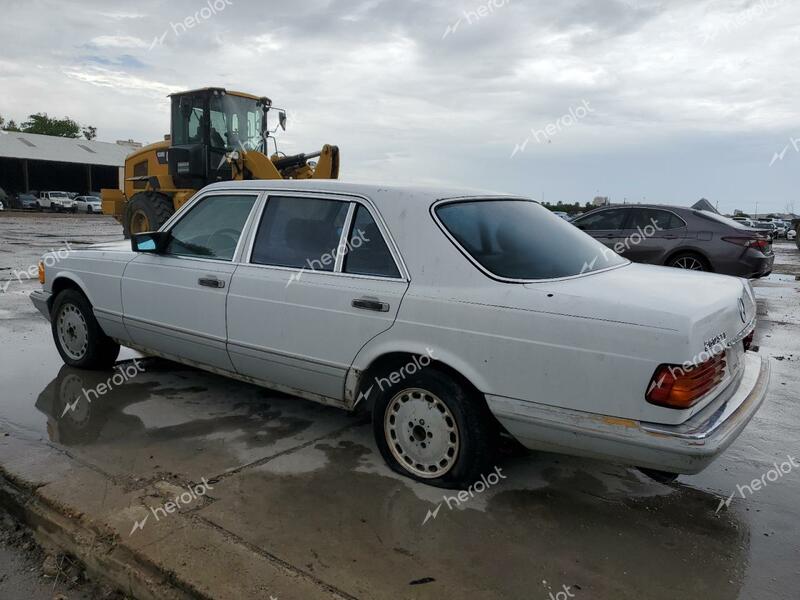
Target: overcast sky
pixel 631 99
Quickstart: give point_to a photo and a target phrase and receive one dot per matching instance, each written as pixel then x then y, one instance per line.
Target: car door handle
pixel 370 304
pixel 211 282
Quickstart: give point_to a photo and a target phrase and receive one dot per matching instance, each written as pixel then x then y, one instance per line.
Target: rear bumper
pixel 687 448
pixel 41 300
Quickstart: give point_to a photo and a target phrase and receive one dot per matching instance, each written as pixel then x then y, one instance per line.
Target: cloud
pixel 679 113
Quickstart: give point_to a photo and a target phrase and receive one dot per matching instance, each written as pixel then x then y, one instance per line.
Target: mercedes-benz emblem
pixel 742 311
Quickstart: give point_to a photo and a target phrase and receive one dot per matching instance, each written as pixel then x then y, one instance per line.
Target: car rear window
pixel 521 240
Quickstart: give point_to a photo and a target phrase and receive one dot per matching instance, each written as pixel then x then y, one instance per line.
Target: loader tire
pixel 146 211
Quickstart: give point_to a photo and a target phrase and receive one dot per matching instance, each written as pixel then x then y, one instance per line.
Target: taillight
pixel 41 272
pixel 681 386
pixel 758 243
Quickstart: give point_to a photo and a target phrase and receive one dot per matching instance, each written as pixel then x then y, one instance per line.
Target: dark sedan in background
pixel 681 237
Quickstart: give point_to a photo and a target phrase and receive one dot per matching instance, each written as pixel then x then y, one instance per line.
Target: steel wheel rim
pixel 139 222
pixel 73 333
pixel 421 433
pixel 689 263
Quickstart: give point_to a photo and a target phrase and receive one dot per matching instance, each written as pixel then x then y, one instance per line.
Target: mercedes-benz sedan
pixel 452 316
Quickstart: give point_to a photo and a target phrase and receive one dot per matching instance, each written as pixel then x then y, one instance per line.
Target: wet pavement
pixel 302 485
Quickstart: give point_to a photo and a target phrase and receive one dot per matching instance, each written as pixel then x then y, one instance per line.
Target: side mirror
pixel 282 120
pixel 152 242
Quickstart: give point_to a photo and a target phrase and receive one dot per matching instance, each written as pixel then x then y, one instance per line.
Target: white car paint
pixel 88 204
pixel 564 364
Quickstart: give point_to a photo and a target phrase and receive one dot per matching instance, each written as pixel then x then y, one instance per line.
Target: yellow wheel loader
pixel 216 135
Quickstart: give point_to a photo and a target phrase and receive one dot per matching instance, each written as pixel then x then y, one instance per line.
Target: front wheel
pixel 79 339
pixel 430 428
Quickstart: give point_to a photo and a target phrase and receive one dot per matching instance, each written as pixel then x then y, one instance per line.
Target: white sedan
pixel 89 204
pixel 452 316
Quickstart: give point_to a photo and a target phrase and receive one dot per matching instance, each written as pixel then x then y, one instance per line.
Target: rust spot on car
pixel 620 422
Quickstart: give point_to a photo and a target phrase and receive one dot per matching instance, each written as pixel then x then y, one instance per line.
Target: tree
pixel 42 124
pixel 90 132
pixel 11 126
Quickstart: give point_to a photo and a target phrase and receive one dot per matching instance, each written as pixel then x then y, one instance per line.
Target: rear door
pixel 605 225
pixel 322 278
pixel 652 234
pixel 174 302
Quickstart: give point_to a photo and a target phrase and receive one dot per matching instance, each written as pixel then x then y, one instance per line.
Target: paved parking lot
pixel 277 497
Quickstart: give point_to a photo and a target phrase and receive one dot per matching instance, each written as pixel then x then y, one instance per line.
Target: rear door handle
pixel 212 282
pixel 370 304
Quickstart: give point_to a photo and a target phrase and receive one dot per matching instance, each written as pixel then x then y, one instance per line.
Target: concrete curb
pixel 76 509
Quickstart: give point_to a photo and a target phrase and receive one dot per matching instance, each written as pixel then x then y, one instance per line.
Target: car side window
pixel 300 232
pixel 367 251
pixel 602 220
pixel 662 220
pixel 211 228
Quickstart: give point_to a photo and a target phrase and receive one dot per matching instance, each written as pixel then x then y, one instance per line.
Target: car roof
pixel 371 190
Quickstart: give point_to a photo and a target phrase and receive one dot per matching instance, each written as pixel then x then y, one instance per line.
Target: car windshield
pixel 58 195
pixel 521 240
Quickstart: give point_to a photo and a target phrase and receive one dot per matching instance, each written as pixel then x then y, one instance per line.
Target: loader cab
pixel 206 125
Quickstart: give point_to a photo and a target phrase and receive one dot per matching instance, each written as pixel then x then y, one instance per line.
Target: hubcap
pixel 421 433
pixel 689 262
pixel 139 222
pixel 73 334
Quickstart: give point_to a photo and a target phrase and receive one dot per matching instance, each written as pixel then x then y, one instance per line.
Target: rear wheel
pixel 147 211
pixel 79 339
pixel 431 428
pixel 689 261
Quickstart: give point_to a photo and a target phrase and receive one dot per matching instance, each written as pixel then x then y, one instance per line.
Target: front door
pixel 322 280
pixel 174 301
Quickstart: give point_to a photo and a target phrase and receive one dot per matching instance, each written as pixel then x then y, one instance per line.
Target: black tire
pixel 686 258
pixel 156 207
pixel 89 210
pixel 475 428
pixel 97 351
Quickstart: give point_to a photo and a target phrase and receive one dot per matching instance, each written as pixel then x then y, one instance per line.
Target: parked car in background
pixel 767 227
pixel 57 201
pixel 26 202
pixel 2 206
pixel 561 215
pixel 792 235
pixel 681 237
pixel 88 204
pixel 449 314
